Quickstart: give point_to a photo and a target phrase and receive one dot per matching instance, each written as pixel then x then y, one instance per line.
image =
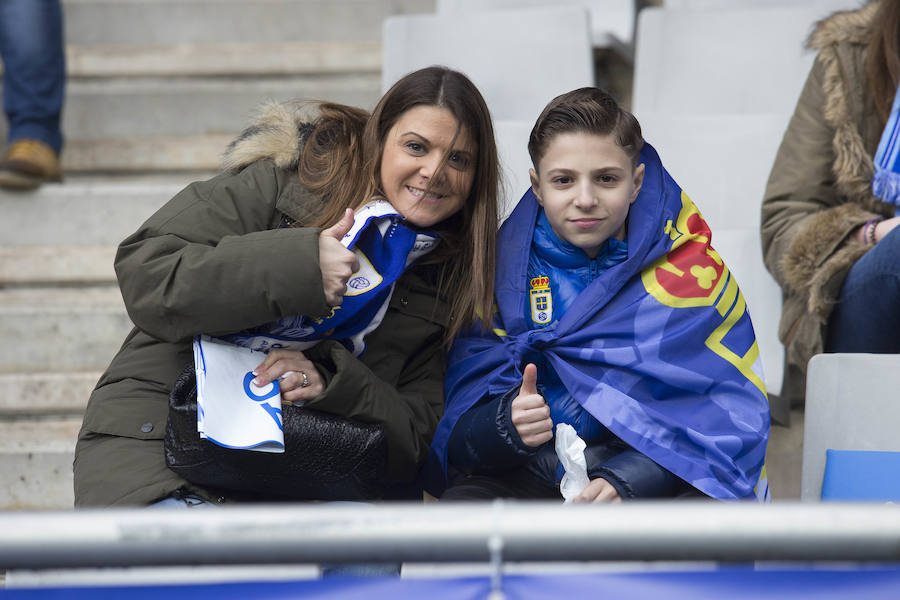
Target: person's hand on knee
pixel 598 490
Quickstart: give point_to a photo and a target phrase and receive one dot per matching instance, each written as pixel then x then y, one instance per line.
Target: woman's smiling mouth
pixel 420 194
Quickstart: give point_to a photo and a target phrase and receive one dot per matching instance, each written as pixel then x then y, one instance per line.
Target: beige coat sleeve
pixel 805 220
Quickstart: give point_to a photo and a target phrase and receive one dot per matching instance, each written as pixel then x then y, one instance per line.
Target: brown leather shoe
pixel 27 164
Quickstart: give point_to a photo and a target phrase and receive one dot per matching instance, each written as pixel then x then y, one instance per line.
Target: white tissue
pixel 570 450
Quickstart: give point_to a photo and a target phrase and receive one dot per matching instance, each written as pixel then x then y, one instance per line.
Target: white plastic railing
pixel 450 532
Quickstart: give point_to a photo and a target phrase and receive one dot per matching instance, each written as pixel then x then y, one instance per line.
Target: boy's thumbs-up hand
pixel 530 413
pixel 336 262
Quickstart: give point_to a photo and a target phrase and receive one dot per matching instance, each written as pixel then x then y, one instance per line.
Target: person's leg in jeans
pixel 867 315
pixel 34 74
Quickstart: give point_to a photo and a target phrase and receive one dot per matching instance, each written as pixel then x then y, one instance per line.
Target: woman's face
pixel 413 150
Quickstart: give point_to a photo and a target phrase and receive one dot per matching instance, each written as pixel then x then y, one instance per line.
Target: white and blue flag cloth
pixel 231 410
pixel 384 246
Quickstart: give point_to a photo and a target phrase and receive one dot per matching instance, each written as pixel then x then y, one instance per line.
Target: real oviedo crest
pixel 541 300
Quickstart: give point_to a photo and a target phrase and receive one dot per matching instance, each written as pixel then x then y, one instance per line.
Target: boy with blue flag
pixel 614 315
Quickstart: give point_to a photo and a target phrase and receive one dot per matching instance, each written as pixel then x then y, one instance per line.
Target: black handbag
pixel 326 457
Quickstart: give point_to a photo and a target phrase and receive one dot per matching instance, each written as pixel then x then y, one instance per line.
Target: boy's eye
pixel 606 179
pixel 562 180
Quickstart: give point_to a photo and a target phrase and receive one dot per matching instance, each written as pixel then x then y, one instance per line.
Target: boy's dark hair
pixel 585 110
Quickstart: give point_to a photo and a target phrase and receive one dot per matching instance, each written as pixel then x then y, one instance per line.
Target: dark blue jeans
pixel 867 315
pixel 34 69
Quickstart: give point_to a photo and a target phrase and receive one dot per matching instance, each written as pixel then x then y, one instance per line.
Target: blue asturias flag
pixel 659 348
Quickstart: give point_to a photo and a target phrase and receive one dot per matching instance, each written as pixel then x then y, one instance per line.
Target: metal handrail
pixel 437 532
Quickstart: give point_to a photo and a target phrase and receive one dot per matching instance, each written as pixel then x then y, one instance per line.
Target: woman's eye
pixel 458 160
pixel 415 147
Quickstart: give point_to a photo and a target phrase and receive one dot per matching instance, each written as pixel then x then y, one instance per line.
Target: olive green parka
pixel 819 190
pixel 218 258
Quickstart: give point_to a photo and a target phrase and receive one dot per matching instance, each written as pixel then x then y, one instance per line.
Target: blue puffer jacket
pixel 567 270
pixel 485 440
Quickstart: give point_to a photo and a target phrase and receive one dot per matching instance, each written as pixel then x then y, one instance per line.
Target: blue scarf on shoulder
pixel 886 182
pixel 659 348
pixel 385 247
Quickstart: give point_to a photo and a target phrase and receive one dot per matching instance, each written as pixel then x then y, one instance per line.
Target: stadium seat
pixel 518 59
pixel 612 21
pixel 851 404
pixel 707 62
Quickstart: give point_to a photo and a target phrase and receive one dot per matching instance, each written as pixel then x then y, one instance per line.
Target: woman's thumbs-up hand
pixel 336 262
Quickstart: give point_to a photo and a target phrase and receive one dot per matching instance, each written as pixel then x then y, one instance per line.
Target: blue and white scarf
pixel 659 348
pixel 886 182
pixel 384 246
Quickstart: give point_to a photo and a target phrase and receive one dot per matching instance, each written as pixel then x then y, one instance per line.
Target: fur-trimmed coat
pixel 819 191
pixel 218 258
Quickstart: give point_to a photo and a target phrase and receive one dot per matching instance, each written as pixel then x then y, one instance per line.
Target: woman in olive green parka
pixel 249 247
pixel 819 215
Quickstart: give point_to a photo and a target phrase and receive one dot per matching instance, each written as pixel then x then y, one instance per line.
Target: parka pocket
pixel 136 417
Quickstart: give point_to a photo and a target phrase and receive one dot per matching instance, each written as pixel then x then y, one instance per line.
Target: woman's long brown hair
pixel 883 57
pixel 341 163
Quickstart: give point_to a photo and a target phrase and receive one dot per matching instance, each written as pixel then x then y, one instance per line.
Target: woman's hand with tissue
pixel 530 413
pixel 598 490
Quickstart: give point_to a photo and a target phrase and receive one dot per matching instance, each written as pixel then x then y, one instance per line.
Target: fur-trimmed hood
pixel 850 26
pixel 278 132
pixel 837 38
pixel 853 166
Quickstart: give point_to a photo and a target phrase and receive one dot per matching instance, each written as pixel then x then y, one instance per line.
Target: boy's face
pixel 586 183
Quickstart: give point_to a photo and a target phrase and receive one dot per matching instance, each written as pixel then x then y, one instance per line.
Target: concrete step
pixel 142 154
pixel 189 58
pixel 45 394
pixel 39 265
pixel 174 124
pixel 197 106
pixel 136 22
pixel 96 211
pixel 784 458
pixel 36 461
pixel 60 329
pixel 68 233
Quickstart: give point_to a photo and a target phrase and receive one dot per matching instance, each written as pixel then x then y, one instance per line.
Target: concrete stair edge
pixel 145 153
pixel 60 329
pixel 224 58
pixel 32 265
pixel 36 461
pixel 45 394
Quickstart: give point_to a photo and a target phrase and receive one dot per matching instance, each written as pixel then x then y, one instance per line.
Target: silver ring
pixel 305 382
